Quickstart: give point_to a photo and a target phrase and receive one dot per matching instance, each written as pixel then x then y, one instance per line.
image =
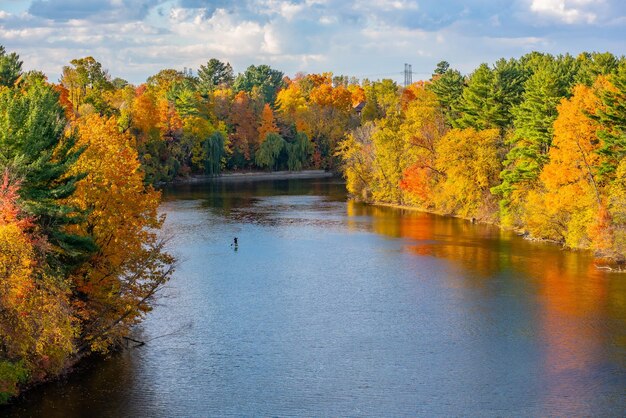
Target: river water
pixel 332 308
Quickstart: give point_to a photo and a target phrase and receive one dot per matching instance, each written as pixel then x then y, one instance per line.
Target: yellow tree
pixel 421 130
pixel 568 197
pixel 114 286
pixel 468 160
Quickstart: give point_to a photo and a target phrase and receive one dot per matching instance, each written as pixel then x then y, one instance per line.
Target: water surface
pixel 332 308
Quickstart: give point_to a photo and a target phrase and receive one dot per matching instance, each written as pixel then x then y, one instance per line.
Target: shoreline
pixel 253 176
pixel 606 263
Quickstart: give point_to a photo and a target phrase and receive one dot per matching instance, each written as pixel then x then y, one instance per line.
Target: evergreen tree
pixel 267 80
pixel 613 120
pixel 214 74
pixel 35 149
pixel 474 107
pixel 448 87
pixel 533 121
pixel 591 65
pixel 10 67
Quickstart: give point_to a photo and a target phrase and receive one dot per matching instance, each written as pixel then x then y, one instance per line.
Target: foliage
pixel 35 148
pixel 270 150
pixel 10 68
pixel 112 287
pixel 468 160
pixel 215 73
pixel 263 78
pixel 298 151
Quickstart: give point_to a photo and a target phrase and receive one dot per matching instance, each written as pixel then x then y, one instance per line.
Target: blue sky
pixel 136 38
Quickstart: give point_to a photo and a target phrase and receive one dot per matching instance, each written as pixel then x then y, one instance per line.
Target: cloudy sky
pixel 373 39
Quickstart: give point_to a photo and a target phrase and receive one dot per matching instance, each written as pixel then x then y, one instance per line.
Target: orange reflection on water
pixel 569 299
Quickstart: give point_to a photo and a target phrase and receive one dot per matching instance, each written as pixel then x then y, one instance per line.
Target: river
pixel 328 307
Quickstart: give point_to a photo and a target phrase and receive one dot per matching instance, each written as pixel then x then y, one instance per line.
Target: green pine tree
pixel 35 149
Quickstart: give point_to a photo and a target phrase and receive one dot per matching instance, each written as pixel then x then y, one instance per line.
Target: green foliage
pixel 215 73
pixel 298 151
pixel 269 151
pixel 448 86
pixel 267 80
pixel 214 149
pixel 591 65
pixel 475 107
pixel 442 68
pixel 11 375
pixel 86 82
pixel 490 94
pixel 533 121
pixel 10 68
pixel 34 148
pixel 613 120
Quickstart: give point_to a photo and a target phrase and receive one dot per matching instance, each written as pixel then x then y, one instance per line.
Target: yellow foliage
pixel 122 216
pixel 469 161
pixel 566 202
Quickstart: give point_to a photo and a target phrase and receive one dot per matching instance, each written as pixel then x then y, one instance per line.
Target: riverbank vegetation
pixel 535 143
pixel 80 257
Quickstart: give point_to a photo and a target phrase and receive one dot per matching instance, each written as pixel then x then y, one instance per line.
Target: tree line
pixel 535 143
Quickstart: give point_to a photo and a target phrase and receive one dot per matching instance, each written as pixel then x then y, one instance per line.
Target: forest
pixel 536 144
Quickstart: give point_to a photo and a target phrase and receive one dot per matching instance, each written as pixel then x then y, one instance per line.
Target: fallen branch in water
pixel 611 269
pixel 139 343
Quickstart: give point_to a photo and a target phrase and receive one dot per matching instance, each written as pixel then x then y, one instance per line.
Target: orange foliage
pixel 417 180
pixel 170 124
pixel 268 125
pixel 144 114
pixel 244 139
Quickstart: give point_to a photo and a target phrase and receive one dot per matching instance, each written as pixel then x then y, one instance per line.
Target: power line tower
pixel 408 75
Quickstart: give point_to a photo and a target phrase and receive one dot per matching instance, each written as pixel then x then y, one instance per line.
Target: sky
pixel 373 39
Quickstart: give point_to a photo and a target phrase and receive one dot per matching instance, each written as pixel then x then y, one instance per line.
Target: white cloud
pixel 567 11
pixel 362 38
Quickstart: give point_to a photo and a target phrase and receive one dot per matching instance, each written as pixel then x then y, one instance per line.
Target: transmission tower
pixel 408 75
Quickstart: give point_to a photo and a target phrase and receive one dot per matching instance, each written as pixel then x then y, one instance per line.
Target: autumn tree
pixel 267 124
pixel 87 83
pixel 113 288
pixel 568 196
pixel 422 128
pixel 357 155
pixel 468 160
pixel 36 326
pixel 244 136
pixel 530 144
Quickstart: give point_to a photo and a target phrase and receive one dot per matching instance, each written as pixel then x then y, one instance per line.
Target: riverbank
pixel 606 262
pixel 255 175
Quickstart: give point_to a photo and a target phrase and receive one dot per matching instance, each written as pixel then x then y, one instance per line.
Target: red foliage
pixel 416 180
